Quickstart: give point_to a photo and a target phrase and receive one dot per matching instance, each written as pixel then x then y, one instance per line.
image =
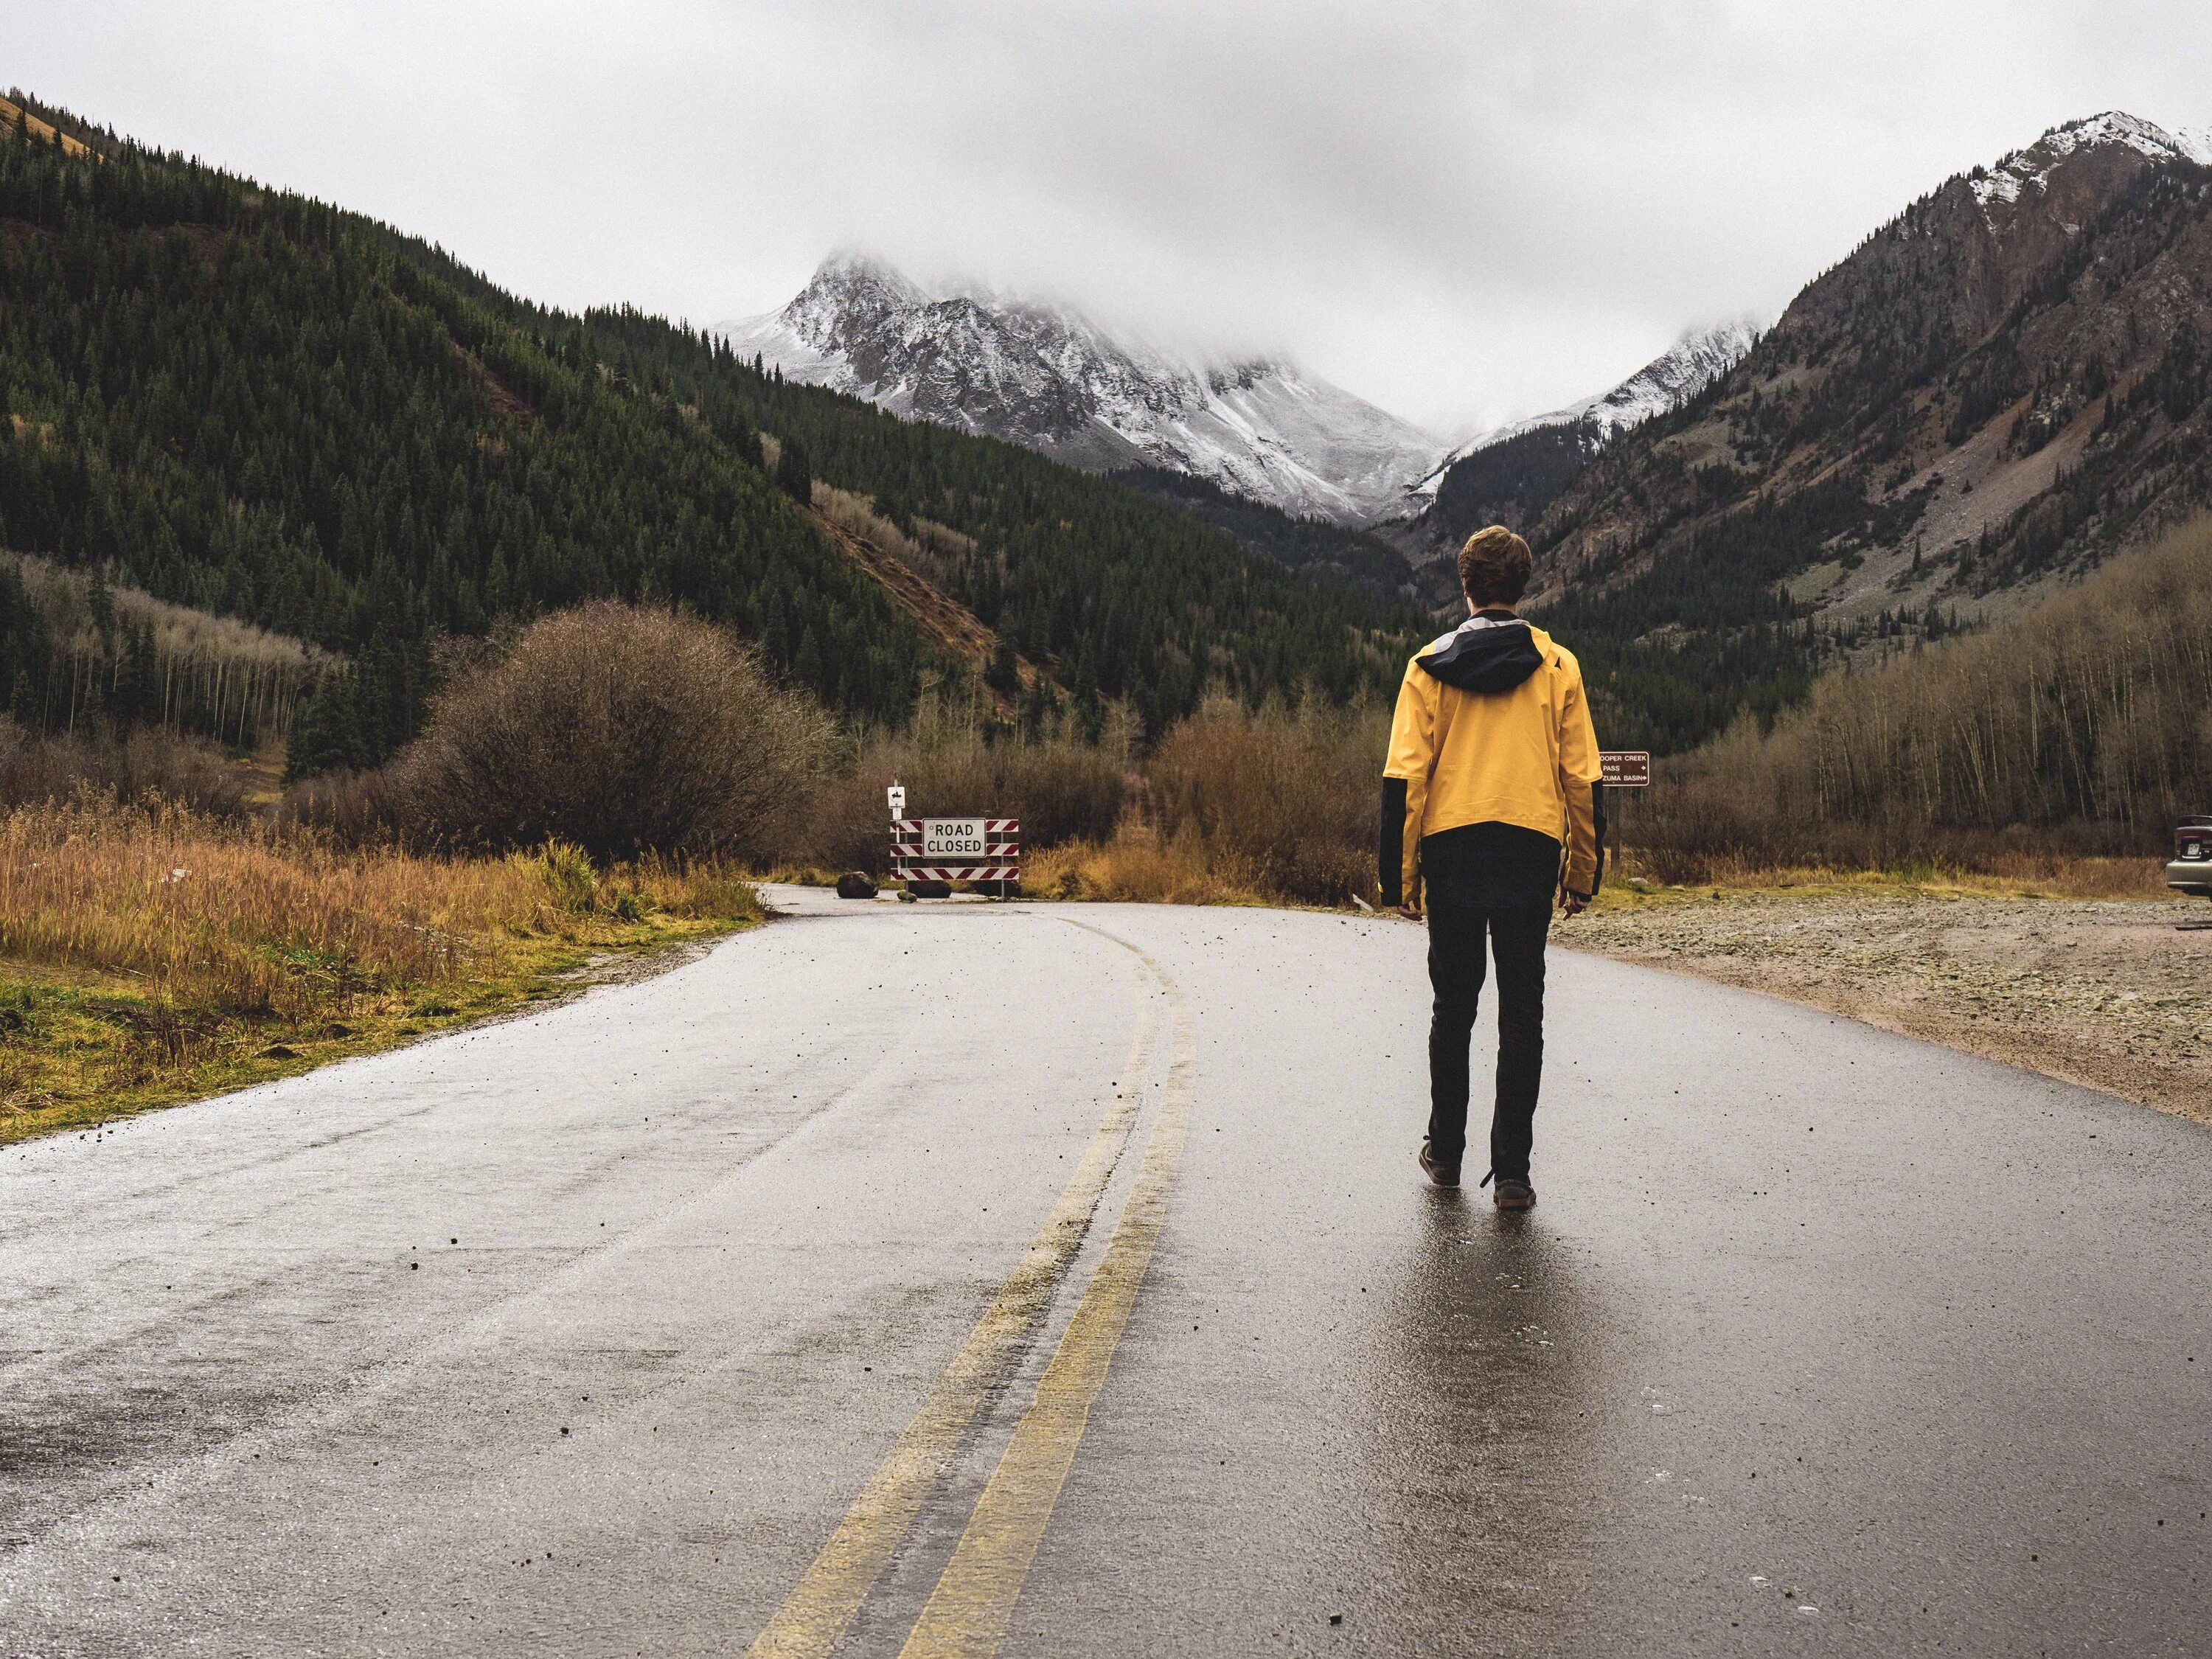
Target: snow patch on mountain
pixel 1701 357
pixel 2030 169
pixel 1047 377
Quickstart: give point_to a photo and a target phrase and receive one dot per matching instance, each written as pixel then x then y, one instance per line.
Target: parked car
pixel 2191 869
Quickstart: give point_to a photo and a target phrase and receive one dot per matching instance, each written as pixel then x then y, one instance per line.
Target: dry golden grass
pixel 2015 875
pixel 1137 865
pixel 13 114
pixel 148 953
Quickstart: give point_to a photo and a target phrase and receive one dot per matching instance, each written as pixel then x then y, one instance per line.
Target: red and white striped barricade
pixel 956 849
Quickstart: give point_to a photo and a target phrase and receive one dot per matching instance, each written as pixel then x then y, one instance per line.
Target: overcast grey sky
pixel 1467 213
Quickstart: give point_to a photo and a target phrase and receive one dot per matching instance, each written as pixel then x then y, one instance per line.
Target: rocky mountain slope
pixel 2001 385
pixel 1047 377
pixel 1509 476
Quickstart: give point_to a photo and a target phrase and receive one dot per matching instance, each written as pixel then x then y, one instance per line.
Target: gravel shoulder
pixel 2113 994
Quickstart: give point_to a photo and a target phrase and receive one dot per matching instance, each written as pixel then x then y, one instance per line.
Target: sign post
pixel 1623 768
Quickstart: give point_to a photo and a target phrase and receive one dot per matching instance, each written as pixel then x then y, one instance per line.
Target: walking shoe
pixel 1511 1194
pixel 1444 1174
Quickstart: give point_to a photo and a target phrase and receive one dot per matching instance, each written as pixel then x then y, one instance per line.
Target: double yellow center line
pixel 975 1597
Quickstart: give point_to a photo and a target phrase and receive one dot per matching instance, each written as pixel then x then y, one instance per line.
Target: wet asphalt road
pixel 582 1333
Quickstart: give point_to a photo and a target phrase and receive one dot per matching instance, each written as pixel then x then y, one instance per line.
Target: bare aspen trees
pixel 2084 724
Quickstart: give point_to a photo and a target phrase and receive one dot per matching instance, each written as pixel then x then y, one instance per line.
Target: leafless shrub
pixel 1284 800
pixel 187 772
pixel 621 731
pixel 1230 803
pixel 354 809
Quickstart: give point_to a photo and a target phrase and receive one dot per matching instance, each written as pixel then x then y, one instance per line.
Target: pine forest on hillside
pixel 265 407
pixel 1359 558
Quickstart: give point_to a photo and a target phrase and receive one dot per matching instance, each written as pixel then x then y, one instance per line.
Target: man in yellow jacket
pixel 1490 809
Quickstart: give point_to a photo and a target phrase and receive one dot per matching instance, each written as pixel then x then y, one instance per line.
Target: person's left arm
pixel 1579 772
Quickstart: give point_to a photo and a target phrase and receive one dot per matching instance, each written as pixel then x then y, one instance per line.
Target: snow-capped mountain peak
pixel 848 281
pixel 2030 169
pixel 1047 377
pixel 1701 357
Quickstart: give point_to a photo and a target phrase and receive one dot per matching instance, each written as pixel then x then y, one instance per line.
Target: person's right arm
pixel 1406 791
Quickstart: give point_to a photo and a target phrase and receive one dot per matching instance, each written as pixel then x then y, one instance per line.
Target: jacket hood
pixel 1485 654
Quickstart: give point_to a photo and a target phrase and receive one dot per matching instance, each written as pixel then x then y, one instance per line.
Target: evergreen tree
pixel 794 476
pixel 326 735
pixel 1004 674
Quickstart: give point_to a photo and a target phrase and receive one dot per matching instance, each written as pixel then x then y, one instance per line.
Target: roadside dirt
pixel 2111 993
pixel 630 966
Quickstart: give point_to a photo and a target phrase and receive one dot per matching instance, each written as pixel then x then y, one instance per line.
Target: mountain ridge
pixel 1047 377
pixel 1698 357
pixel 239 398
pixel 2001 384
pixel 1508 475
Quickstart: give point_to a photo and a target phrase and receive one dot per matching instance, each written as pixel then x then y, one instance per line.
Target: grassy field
pixel 2017 875
pixel 149 955
pixel 1137 865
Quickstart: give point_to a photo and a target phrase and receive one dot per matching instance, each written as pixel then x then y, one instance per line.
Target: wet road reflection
pixel 1819 1340
pixel 1478 1439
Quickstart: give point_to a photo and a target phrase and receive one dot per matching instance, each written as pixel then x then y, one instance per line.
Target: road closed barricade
pixel 956 849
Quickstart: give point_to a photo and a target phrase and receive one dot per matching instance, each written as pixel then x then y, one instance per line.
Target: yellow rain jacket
pixel 1492 726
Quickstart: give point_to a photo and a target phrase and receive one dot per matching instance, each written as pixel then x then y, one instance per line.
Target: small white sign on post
pixel 897 794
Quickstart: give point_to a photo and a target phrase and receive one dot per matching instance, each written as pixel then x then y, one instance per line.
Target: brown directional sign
pixel 1626 769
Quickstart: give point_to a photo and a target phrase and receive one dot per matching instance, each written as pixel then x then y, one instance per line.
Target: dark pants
pixel 1456 969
